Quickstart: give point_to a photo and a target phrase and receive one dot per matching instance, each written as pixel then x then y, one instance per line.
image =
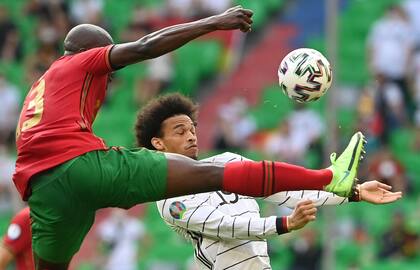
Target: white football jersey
pixel 226 229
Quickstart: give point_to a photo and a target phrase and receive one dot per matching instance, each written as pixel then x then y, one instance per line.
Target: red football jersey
pixel 55 123
pixel 18 240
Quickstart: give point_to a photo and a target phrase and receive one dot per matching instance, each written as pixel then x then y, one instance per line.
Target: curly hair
pixel 152 115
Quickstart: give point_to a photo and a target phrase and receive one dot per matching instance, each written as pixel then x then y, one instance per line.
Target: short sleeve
pixel 96 60
pixel 18 235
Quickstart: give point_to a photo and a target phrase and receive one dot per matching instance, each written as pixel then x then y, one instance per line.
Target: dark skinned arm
pixel 173 37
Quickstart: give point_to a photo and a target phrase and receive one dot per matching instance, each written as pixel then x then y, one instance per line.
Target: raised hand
pixel 234 18
pixel 378 193
pixel 304 213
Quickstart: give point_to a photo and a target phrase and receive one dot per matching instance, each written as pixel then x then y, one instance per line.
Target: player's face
pixel 179 136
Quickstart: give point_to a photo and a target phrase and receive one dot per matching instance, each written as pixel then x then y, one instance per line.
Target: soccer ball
pixel 305 75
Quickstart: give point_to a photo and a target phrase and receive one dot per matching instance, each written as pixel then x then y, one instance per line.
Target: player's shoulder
pixel 224 158
pixel 92 52
pixel 84 58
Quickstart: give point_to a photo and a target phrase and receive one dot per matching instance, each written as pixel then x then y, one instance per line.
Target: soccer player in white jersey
pixel 226 229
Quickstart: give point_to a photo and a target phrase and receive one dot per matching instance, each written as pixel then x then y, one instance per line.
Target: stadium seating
pixel 116 118
pixel 262 9
pixel 352 34
pixel 274 106
pixel 194 62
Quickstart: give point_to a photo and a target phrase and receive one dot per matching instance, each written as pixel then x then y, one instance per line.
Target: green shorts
pixel 65 198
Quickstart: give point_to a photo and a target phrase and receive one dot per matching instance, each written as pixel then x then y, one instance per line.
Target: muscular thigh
pixel 59 220
pixel 119 177
pixel 64 199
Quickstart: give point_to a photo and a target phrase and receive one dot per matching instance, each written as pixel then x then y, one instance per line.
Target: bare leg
pixel 188 176
pixel 256 179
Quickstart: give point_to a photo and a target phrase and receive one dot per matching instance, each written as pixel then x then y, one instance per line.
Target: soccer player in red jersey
pixel 16 245
pixel 66 173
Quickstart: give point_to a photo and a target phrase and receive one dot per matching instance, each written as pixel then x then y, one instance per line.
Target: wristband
pixel 281 225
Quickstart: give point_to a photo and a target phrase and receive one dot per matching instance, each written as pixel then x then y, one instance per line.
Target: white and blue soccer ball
pixel 305 75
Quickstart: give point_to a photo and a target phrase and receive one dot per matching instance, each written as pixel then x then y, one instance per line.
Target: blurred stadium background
pixel 233 77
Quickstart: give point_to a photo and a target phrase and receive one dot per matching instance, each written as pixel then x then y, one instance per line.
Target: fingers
pixel 384 186
pixel 306 210
pixel 311 218
pixel 310 214
pixel 390 199
pixel 304 205
pixel 245 27
pixel 384 191
pixel 305 202
pixel 398 193
pixel 237 18
pixel 234 8
pixel 304 213
pixel 247 12
pixel 248 19
pixel 393 194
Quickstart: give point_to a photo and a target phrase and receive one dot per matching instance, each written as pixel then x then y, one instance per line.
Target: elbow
pixel 144 48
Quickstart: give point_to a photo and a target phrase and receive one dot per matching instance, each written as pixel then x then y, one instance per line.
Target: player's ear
pixel 158 144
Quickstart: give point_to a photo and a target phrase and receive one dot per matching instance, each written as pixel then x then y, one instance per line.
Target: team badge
pixel 177 210
pixel 14 231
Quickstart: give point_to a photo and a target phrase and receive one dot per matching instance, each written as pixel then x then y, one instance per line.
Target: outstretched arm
pixel 173 37
pixel 291 198
pixel 372 192
pixel 194 214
